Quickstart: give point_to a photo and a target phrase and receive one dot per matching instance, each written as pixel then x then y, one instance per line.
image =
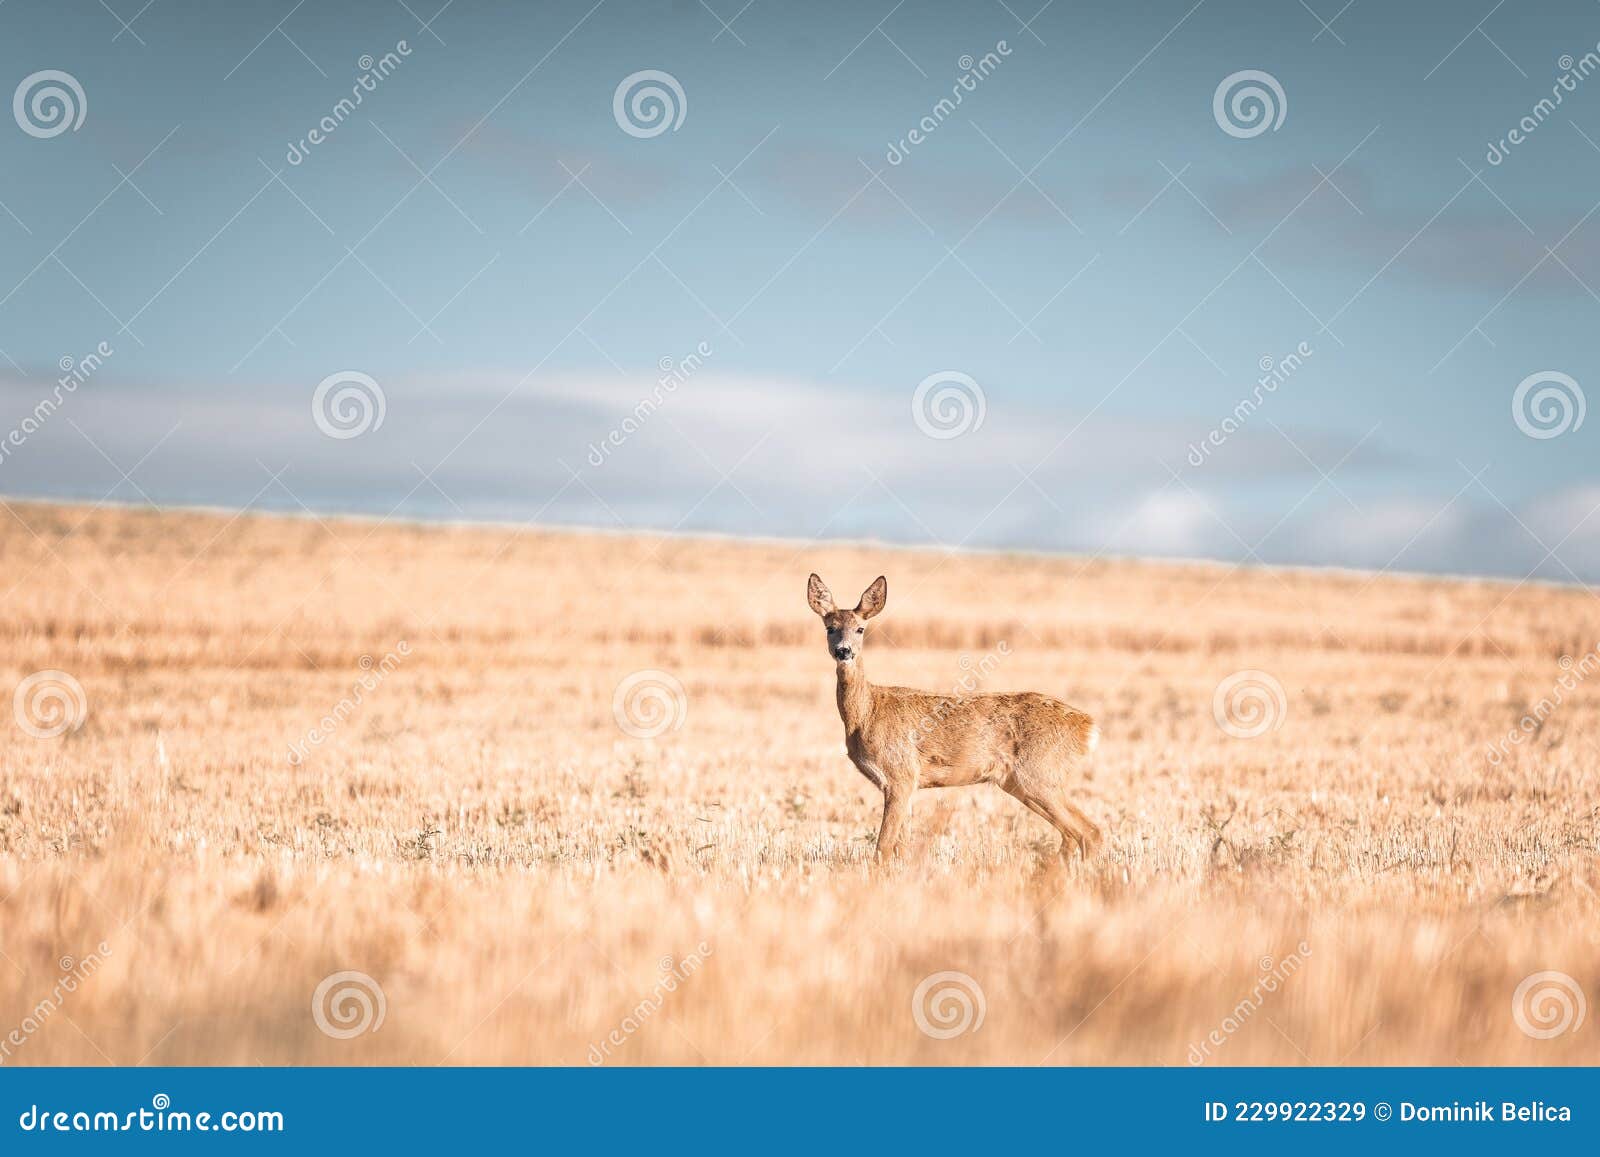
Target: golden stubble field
pixel 519 880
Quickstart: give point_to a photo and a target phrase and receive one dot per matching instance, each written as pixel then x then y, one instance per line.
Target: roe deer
pixel 901 739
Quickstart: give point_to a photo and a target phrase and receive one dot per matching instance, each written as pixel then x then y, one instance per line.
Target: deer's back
pixel 967 739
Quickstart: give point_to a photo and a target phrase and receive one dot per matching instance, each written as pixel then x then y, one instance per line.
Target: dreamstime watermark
pixel 373 673
pixel 650 703
pixel 74 372
pixel 347 1004
pixel 348 404
pixel 1574 672
pixel 648 103
pixel 49 103
pixel 948 404
pixel 948 1004
pixel 673 974
pixel 73 973
pixel 1572 71
pixel 160 1117
pixel 973 673
pixel 673 375
pixel 972 73
pixel 48 704
pixel 1274 373
pixel 1248 103
pixel 1249 703
pixel 1273 974
pixel 1548 1004
pixel 373 72
pixel 1548 404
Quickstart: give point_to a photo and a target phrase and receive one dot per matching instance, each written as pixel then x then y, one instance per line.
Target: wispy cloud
pixel 731 454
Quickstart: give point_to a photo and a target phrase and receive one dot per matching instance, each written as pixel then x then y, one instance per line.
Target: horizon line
pixel 583 529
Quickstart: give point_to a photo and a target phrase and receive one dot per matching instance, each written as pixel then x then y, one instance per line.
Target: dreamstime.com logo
pixel 1547 1004
pixel 373 673
pixel 74 972
pixel 1249 103
pixel 973 72
pixel 1548 404
pixel 673 375
pixel 1271 976
pixel 49 103
pixel 1572 71
pixel 650 703
pixel 1249 703
pixel 160 1117
pixel 973 673
pixel 1573 672
pixel 48 704
pixel 1274 373
pixel 947 1004
pixel 674 973
pixel 948 404
pixel 348 404
pixel 648 103
pixel 373 73
pixel 74 373
pixel 347 1004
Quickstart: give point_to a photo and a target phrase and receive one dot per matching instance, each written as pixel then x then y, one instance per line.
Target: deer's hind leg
pixel 1050 804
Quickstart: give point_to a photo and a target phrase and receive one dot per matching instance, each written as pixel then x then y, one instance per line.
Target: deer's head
pixel 847 630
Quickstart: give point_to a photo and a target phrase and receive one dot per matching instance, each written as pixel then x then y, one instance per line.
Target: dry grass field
pixel 527 882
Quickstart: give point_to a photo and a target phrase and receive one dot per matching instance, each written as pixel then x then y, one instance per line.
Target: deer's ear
pixel 818 595
pixel 873 598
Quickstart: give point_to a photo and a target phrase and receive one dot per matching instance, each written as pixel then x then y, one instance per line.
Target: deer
pixel 1029 745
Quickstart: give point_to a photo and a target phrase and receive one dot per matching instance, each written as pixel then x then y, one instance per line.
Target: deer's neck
pixel 855 696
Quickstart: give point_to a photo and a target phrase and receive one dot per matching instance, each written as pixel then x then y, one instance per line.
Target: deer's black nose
pixel 842 653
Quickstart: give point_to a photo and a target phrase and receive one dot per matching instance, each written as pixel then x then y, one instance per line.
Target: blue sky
pixel 1079 238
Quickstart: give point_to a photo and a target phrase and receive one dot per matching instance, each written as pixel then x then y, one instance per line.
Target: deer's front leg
pixel 896 808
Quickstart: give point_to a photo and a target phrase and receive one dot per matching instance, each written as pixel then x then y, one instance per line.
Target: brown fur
pixel 902 739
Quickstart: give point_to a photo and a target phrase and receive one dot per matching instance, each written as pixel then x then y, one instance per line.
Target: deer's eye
pixel 861 630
